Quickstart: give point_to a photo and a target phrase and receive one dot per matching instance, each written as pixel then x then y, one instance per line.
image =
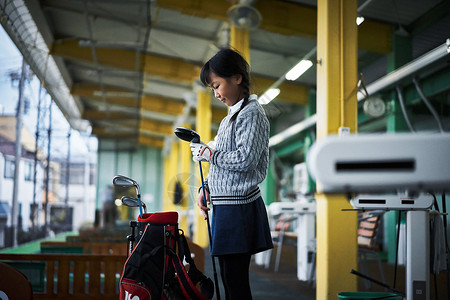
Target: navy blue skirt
pixel 240 228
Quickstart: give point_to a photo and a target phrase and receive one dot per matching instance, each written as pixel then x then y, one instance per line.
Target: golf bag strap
pixel 188 288
pixel 184 253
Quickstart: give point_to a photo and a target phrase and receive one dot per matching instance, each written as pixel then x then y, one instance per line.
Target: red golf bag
pixel 155 270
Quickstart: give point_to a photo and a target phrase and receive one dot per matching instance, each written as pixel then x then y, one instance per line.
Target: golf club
pixel 190 135
pixel 120 180
pixel 133 202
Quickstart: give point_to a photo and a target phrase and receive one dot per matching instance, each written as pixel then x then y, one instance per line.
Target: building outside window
pixel 9 167
pixel 28 166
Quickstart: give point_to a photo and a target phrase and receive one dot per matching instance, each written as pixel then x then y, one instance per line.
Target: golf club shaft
pixel 216 281
pixel 140 204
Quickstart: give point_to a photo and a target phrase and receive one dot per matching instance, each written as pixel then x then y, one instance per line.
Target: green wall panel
pixel 145 165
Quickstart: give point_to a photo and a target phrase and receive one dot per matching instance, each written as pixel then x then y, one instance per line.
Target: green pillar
pixel 268 186
pixel 310 135
pixel 401 54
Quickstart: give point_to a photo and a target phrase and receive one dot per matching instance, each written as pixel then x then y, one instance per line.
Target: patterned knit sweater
pixel 241 156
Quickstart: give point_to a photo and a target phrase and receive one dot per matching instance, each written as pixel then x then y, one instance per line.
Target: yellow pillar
pixel 170 172
pixel 183 176
pixel 336 107
pixel 239 40
pixel 203 128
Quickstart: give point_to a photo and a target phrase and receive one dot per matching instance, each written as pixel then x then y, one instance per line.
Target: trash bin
pixel 368 296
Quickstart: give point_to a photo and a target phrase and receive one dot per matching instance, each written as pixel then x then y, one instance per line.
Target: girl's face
pixel 227 90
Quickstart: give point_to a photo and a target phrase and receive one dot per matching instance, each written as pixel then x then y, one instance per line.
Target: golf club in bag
pixel 191 136
pixel 154 268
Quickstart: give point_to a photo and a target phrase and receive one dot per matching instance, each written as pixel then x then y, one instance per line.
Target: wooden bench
pixel 86 247
pixel 72 276
pixel 108 245
pixel 95 238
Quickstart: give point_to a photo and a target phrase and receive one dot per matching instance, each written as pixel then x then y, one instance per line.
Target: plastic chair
pixel 281 231
pixel 14 284
pixel 367 247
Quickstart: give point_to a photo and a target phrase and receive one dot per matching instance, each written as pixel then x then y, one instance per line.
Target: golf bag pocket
pixel 132 290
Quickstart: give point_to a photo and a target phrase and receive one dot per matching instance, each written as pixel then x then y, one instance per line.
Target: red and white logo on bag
pixel 128 296
pixel 131 290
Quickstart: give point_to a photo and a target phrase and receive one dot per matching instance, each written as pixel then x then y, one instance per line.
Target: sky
pixel 11 62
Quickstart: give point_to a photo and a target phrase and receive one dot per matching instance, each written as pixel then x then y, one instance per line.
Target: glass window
pixel 28 171
pixel 9 167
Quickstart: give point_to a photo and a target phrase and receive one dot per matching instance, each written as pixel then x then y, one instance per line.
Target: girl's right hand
pixel 201 203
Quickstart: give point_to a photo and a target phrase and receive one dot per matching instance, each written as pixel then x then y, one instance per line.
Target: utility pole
pixel 66 206
pixel 35 205
pixel 18 154
pixel 47 171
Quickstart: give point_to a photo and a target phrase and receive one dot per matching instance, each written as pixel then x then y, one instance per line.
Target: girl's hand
pixel 203 209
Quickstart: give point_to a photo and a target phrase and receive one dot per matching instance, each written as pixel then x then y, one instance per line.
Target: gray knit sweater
pixel 240 159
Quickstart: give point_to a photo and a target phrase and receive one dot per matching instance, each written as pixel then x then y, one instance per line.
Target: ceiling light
pixel 299 69
pixel 359 20
pixel 268 96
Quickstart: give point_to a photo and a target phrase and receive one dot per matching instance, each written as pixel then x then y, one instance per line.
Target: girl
pixel 239 163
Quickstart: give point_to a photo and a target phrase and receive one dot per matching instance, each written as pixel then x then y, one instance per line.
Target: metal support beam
pixel 184 175
pixel 239 39
pixel 336 107
pixel 170 172
pixel 203 127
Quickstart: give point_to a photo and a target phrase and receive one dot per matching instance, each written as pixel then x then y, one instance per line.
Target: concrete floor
pixel 266 284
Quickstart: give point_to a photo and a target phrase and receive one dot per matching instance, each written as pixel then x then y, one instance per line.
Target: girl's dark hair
pixel 227 63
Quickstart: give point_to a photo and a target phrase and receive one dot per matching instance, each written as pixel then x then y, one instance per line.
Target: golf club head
pixel 132 202
pixel 123 181
pixel 187 134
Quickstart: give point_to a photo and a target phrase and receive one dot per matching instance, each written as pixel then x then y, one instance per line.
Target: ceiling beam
pixel 153 103
pixel 155 127
pixel 283 17
pixel 150 141
pixel 172 69
pixel 93 115
pixel 289 92
pixel 162 105
pixel 102 132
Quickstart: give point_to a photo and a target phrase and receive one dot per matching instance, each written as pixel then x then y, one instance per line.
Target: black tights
pixel 235 277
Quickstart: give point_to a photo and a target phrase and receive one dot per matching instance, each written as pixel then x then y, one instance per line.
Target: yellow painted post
pixel 239 40
pixel 336 107
pixel 184 176
pixel 170 172
pixel 203 128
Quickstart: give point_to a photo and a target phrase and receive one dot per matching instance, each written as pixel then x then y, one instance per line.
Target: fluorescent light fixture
pixel 359 20
pixel 268 96
pixel 299 69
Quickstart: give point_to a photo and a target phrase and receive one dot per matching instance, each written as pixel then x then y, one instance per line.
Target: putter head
pixel 187 134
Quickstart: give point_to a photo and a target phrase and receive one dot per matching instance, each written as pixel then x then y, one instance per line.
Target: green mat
pixel 34 246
